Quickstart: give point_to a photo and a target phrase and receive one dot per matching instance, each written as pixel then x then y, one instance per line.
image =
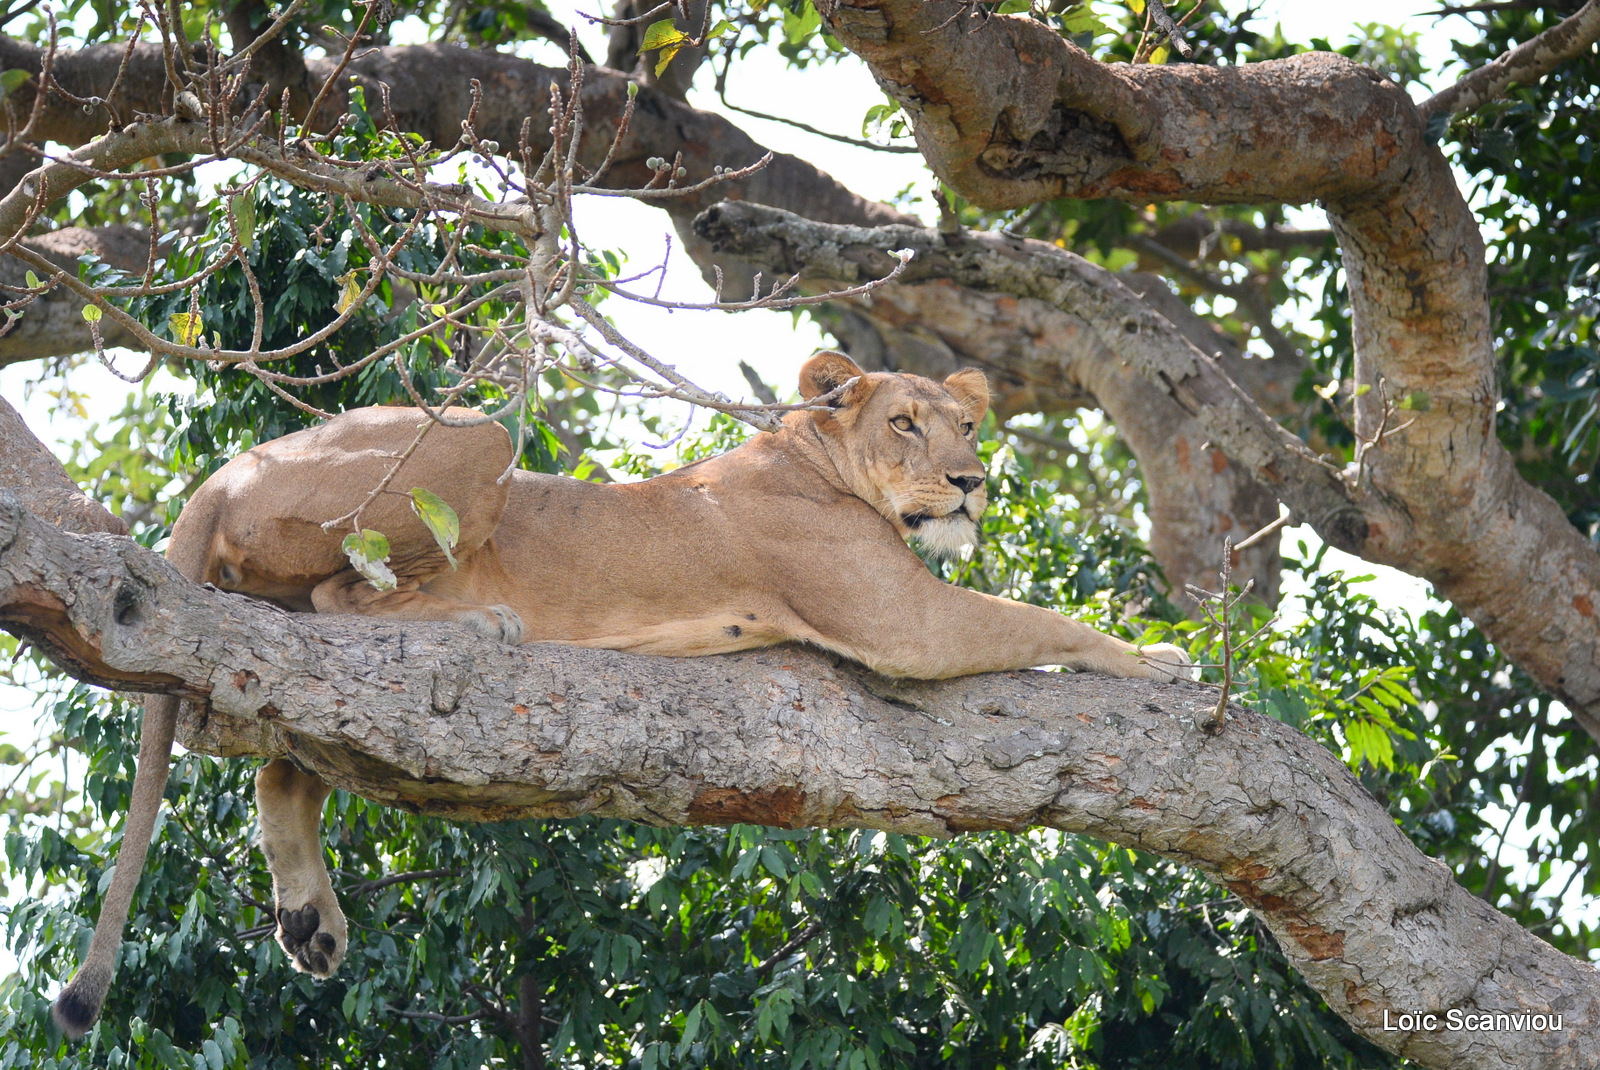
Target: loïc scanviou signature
pixel 1458 1021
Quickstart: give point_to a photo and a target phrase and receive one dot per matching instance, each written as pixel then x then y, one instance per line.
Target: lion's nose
pixel 968 484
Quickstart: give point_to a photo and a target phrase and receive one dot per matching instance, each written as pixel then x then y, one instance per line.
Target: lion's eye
pixel 902 423
pixel 966 428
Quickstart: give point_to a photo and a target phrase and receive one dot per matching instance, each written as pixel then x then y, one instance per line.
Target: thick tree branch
pixel 53 325
pixel 37 479
pixel 1523 65
pixel 431 92
pixel 409 714
pixel 1441 500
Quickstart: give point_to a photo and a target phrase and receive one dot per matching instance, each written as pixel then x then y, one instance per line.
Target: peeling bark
pixel 424 716
pixel 1012 114
pixel 1523 65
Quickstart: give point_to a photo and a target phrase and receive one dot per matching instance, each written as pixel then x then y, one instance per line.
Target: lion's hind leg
pixel 311 927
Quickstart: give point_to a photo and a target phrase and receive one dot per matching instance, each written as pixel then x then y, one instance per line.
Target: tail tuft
pixel 78 1005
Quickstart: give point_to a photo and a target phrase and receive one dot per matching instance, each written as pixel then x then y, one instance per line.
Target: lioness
pixel 796 536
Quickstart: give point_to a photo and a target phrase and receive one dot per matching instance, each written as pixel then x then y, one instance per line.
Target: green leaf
pixel 662 34
pixel 91 313
pixel 12 80
pixel 1416 401
pixel 1082 20
pixel 691 1028
pixel 244 214
pixel 1371 742
pixel 369 555
pixel 186 328
pixel 797 29
pixel 722 27
pixel 33 281
pixel 440 518
pixel 772 862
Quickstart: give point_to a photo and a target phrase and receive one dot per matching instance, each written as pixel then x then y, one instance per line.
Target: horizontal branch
pixel 431 92
pixel 420 715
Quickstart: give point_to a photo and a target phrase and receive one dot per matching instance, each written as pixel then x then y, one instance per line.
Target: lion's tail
pixel 79 1003
pixel 76 1008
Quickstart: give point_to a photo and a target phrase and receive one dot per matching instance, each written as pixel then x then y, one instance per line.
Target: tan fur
pixel 797 535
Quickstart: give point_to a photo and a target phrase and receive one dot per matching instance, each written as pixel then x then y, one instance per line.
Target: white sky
pixel 708 346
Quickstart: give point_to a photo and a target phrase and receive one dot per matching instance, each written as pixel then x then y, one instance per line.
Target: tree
pixel 481 289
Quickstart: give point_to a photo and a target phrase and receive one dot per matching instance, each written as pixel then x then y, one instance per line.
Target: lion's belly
pixel 651 569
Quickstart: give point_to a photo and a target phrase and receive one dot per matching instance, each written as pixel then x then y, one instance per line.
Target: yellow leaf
pixel 661 35
pixel 186 328
pixel 1160 55
pixel 350 294
pixel 665 57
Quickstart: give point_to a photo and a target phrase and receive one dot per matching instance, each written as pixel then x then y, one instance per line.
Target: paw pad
pixel 311 948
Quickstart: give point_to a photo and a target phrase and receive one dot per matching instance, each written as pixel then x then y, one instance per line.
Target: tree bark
pixel 32 473
pixel 1010 113
pixel 423 716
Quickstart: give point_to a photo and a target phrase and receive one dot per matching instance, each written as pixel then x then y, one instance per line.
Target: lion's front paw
pixel 314 939
pixel 497 622
pixel 1167 663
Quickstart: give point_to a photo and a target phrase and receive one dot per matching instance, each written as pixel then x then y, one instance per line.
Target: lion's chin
pixel 946 536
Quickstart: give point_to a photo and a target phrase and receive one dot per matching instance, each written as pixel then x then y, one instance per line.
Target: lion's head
pixel 907 445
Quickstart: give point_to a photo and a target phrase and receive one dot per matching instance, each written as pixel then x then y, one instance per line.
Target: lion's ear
pixel 969 387
pixel 826 371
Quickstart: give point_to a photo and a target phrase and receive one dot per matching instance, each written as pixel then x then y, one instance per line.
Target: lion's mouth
pixel 916 520
pixel 942 536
